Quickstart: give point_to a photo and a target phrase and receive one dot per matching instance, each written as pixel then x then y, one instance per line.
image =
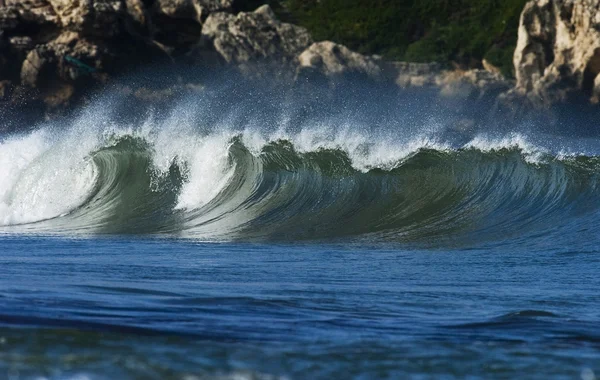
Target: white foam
pixel 365 151
pixel 48 174
pixel 43 178
pixel 208 170
pixel 531 153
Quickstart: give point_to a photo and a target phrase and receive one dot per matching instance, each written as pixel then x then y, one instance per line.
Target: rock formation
pixel 192 9
pixel 253 37
pixel 473 84
pixel 331 60
pixel 557 58
pixel 54 51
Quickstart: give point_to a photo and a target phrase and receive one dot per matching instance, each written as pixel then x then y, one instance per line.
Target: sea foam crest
pixel 365 151
pixel 532 153
pixel 43 177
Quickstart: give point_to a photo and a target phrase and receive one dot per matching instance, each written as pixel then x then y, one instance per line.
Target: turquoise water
pixel 298 239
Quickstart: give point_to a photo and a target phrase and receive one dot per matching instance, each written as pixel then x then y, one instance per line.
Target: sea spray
pixel 224 166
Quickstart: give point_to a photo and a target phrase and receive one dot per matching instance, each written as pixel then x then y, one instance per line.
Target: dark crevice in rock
pixel 181 34
pixel 590 73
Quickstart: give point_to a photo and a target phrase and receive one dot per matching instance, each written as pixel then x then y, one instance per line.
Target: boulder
pixel 54 69
pixel 410 74
pixel 99 18
pixel 27 16
pixel 474 84
pixel 251 37
pixel 333 60
pixel 557 58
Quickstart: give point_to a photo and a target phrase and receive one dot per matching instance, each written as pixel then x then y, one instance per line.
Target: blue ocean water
pixel 144 308
pixel 280 237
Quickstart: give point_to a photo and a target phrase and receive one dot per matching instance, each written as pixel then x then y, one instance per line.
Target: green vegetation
pixel 462 32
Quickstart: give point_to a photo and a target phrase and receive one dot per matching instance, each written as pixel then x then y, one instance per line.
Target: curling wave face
pixel 316 183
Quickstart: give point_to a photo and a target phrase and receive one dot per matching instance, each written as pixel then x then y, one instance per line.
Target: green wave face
pixel 228 190
pixel 130 195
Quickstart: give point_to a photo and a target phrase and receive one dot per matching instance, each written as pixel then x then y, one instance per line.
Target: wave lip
pixel 229 186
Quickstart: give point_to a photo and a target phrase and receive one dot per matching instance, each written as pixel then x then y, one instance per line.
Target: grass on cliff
pixel 447 31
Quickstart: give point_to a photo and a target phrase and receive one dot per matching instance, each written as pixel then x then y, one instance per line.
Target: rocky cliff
pixel 53 52
pixel 557 58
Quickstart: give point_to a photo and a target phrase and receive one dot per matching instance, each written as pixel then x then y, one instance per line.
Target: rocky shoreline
pixel 54 53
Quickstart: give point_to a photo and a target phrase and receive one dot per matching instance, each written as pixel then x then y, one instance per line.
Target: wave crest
pixel 220 186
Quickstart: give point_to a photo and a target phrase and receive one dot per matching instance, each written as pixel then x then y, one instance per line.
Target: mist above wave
pixel 233 164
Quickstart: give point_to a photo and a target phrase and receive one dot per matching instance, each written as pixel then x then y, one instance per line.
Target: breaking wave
pixel 313 184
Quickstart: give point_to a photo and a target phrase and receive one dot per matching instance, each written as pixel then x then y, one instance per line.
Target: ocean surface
pixel 234 235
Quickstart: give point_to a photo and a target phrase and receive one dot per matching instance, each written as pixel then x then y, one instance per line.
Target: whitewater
pixel 224 181
pixel 246 232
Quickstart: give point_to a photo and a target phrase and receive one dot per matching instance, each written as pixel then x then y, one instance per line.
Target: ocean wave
pixel 313 184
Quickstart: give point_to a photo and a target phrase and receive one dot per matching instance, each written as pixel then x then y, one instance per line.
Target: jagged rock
pixel 557 57
pixel 55 49
pixel 410 74
pixel 334 61
pixel 178 23
pixel 488 66
pixel 35 63
pixel 54 68
pixel 52 51
pixel 192 9
pixel 254 36
pixel 99 18
pixel 472 84
pixel 80 57
pixel 20 15
pixel 331 60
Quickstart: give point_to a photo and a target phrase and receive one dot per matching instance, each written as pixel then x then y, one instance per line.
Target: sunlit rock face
pixel 254 36
pixel 334 60
pixel 557 58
